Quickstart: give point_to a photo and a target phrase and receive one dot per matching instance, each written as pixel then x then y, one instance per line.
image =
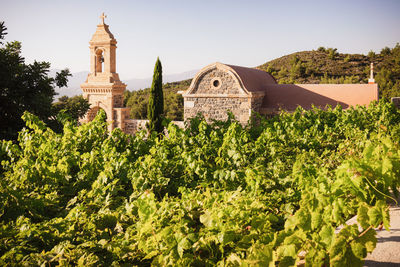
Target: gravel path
pixel 387 251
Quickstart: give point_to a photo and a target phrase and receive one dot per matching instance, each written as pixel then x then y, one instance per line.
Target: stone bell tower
pixel 102 88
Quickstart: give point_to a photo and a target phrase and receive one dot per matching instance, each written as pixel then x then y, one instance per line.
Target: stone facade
pixel 118 101
pixel 214 94
pixel 219 82
pixel 132 126
pixel 396 102
pixel 216 108
pixel 218 89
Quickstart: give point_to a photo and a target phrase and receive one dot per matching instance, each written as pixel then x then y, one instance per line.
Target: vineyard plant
pixel 273 193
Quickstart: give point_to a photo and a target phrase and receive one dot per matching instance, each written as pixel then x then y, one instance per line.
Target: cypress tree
pixel 155 108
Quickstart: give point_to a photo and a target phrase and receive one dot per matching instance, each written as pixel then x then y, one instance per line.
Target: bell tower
pixel 102 88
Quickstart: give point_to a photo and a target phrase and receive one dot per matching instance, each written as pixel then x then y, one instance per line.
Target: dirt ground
pixel 387 251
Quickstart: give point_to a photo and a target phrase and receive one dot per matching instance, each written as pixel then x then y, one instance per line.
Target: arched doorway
pixel 93 112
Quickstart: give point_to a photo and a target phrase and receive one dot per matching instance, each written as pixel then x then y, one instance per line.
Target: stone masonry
pixel 218 89
pixel 217 82
pixel 103 88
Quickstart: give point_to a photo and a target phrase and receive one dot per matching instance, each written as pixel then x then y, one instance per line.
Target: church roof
pixel 253 79
pixel 103 35
pixel 290 96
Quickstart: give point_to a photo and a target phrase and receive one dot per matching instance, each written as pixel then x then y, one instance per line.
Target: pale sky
pixel 189 35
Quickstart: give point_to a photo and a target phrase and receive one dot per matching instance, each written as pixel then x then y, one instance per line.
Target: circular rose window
pixel 216 83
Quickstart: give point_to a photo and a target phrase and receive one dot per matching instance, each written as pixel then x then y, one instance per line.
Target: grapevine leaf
pixel 316 219
pixel 362 216
pixel 375 216
pixel 327 233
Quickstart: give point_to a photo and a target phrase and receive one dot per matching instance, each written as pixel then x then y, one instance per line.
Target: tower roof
pixel 102 34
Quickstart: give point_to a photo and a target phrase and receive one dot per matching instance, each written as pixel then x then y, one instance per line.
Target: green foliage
pixel 211 194
pixel 137 101
pixel 385 51
pixel 73 108
pixel 155 108
pixel 332 53
pixel 24 87
pixel 371 54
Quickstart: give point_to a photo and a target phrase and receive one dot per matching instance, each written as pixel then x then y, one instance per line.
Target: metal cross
pixel 102 17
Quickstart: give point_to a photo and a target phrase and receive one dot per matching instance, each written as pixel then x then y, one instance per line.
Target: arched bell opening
pixel 99 60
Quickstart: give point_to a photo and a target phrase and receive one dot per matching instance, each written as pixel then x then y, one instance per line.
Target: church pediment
pixel 227 80
pixel 216 79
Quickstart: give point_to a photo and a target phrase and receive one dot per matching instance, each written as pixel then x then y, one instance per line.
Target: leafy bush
pixel 211 194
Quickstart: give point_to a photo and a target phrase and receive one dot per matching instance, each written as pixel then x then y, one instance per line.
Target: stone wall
pixel 217 82
pixel 256 103
pixel 216 108
pixel 396 102
pixel 118 101
pixel 132 126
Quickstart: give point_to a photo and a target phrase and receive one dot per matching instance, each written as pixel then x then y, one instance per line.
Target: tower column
pixel 371 79
pixel 103 87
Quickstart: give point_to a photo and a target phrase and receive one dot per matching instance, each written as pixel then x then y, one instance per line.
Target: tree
pixel 371 54
pixel 385 51
pixel 76 106
pixel 332 53
pixel 73 107
pixel 24 87
pixel 155 108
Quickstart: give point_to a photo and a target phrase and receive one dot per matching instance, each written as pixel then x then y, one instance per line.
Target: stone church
pixel 219 87
pixel 215 90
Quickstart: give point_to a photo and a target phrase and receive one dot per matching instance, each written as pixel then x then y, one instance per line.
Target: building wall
pixel 256 103
pixel 118 101
pixel 132 126
pixel 396 102
pixel 216 108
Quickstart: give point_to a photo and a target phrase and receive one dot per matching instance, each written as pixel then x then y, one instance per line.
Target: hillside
pixel 173 102
pixel 324 65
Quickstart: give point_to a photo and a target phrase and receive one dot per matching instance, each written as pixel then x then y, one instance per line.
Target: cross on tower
pixel 102 17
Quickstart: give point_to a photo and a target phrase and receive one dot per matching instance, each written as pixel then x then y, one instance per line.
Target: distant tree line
pixel 173 102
